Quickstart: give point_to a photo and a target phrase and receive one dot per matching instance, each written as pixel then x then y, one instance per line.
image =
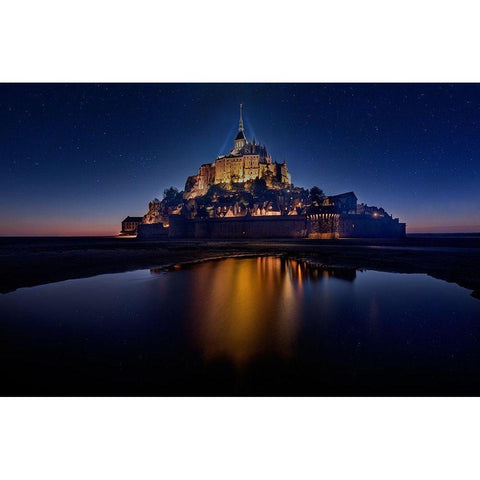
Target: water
pixel 253 326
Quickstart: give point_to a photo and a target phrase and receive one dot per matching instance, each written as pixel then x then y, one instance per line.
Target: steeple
pixel 240 122
pixel 240 139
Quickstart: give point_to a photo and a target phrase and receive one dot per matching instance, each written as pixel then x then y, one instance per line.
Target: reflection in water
pixel 251 307
pixel 248 326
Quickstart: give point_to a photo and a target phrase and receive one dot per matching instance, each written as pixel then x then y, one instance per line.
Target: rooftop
pixel 240 135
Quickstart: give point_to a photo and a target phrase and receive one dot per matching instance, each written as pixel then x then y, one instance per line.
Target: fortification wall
pixel 239 227
pixel 323 225
pixel 151 231
pixel 367 226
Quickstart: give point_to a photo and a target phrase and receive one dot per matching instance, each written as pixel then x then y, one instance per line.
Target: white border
pixel 242 41
pixel 216 41
pixel 282 438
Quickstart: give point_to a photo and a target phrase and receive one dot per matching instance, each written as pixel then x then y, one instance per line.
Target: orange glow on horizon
pixel 67 229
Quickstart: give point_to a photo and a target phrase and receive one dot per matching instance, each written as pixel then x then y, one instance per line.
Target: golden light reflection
pixel 233 314
pixel 249 307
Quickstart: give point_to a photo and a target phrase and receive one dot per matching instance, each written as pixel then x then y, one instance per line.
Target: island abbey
pixel 246 162
pixel 246 194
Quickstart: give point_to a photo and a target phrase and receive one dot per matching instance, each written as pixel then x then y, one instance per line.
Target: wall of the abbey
pixel 222 170
pixel 236 168
pixel 251 167
pixel 248 167
pixel 231 168
pixel 206 176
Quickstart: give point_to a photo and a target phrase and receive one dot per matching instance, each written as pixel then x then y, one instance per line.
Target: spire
pixel 241 133
pixel 240 122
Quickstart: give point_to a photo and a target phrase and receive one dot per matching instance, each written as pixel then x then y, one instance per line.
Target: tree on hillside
pixel 172 197
pixel 316 196
pixel 258 187
pixel 245 198
pixel 215 191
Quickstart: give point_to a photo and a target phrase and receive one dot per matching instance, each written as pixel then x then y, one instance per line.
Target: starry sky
pixel 75 159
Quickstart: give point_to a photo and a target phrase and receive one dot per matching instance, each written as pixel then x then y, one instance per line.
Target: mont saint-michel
pixel 245 193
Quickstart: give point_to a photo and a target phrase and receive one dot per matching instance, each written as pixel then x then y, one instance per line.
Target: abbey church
pixel 246 162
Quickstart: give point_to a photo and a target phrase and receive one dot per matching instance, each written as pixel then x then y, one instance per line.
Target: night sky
pixel 76 159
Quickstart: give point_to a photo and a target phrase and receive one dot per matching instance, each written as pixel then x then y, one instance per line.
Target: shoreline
pixel 36 261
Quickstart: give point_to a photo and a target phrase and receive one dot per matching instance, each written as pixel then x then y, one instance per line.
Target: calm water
pixel 256 326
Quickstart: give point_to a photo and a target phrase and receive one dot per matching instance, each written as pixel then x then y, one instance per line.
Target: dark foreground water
pixel 255 326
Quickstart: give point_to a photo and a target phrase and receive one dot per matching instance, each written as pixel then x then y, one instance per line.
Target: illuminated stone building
pixel 130 225
pixel 247 161
pixel 245 194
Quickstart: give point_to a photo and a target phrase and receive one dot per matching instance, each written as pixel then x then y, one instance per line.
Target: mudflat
pixel 30 261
